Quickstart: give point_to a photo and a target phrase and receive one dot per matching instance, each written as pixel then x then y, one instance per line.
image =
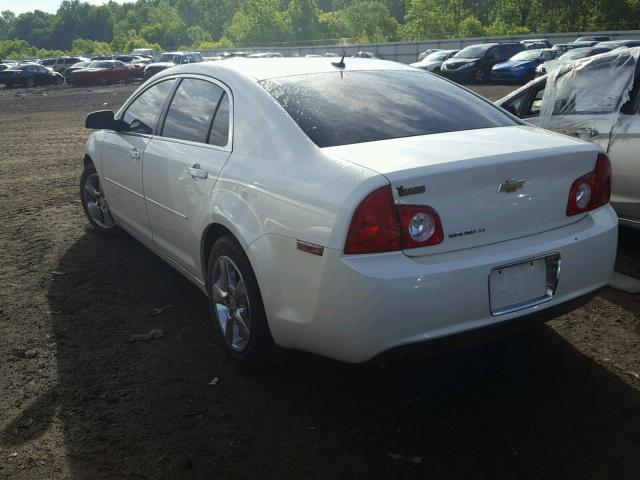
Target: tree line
pixel 79 27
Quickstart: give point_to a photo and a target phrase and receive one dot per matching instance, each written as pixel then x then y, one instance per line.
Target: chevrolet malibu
pixel 350 208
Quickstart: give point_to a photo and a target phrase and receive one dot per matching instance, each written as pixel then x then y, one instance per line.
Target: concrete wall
pixel 407 52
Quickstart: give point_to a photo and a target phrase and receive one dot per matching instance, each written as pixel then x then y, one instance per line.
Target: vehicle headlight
pixel 467 65
pixel 519 67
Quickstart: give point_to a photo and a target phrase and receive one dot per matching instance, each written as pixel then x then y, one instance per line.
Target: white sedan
pixel 350 208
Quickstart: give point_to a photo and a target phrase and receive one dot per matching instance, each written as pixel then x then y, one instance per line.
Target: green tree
pixel 303 19
pixel 259 22
pixel 471 27
pixel 7 24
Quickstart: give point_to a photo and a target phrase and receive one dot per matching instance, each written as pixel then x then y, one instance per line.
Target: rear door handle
pixel 196 172
pixel 135 154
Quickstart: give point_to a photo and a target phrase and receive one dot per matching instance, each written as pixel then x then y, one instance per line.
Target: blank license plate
pixel 516 286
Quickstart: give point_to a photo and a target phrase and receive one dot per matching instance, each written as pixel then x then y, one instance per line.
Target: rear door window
pixel 220 128
pixel 143 113
pixel 340 108
pixel 191 111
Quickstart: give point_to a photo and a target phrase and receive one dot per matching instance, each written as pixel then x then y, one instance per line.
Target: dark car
pixel 30 74
pixel 476 61
pixel 171 59
pixel 536 43
pixel 612 45
pixel 594 38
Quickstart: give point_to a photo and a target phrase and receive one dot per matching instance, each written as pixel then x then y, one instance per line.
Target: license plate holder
pixel 523 284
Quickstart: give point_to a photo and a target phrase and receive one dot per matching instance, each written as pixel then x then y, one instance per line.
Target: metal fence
pixel 407 52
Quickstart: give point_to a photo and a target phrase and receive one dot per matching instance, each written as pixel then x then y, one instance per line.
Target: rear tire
pixel 236 305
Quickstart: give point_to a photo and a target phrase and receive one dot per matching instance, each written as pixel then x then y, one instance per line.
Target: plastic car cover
pixel 578 90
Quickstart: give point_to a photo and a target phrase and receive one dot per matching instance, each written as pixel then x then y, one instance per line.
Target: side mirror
pixel 103 120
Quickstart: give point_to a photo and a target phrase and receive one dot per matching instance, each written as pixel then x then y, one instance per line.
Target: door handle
pixel 196 172
pixel 135 154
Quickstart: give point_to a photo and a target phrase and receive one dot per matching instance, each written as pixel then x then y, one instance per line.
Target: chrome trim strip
pixel 123 187
pixel 553 266
pixel 184 217
pixel 629 222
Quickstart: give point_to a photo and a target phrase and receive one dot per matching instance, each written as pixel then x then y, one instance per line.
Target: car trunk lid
pixel 487 185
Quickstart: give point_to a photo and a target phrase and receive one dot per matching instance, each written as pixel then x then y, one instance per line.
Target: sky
pixel 51 6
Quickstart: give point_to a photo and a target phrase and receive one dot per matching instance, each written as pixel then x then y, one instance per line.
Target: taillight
pixel 374 227
pixel 378 225
pixel 591 190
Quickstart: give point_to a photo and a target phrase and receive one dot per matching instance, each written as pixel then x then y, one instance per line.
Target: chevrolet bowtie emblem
pixel 510 186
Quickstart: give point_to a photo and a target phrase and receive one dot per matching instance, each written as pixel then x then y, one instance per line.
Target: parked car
pixel 266 55
pixel 521 67
pixel 171 59
pixel 76 66
pixel 590 105
pixel 536 43
pixel 434 61
pixel 311 216
pixel 619 44
pixel 428 52
pixel 571 55
pixel 62 63
pixel 361 54
pixel 565 47
pixel 476 61
pixel 144 52
pixel 4 66
pixel 594 38
pixel 28 75
pixel 102 73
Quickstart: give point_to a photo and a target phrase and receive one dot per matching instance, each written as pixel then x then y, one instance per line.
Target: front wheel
pixel 480 76
pixel 236 304
pixel 94 203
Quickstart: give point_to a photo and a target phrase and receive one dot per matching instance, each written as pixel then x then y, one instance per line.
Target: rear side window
pixel 191 111
pixel 340 108
pixel 142 115
pixel 220 128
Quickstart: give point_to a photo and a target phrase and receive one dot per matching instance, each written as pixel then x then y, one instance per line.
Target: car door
pixel 182 165
pixel 122 158
pixel 624 151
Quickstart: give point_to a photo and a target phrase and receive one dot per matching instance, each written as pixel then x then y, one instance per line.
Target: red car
pixel 103 72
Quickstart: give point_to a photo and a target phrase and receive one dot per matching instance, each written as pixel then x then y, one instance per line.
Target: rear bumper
pixel 488 333
pixel 354 308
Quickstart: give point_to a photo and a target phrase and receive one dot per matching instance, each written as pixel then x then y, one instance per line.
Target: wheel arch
pixel 212 233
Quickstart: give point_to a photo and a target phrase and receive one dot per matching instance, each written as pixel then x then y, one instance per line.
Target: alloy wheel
pixel 96 203
pixel 231 303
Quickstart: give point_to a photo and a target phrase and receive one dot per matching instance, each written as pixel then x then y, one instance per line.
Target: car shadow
pixel 530 406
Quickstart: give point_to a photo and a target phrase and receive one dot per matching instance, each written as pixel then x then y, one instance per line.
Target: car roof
pixel 265 68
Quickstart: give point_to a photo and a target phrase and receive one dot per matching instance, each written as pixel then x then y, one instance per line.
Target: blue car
pixel 521 68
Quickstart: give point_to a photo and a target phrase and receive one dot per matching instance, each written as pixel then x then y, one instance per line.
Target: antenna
pixel 340 64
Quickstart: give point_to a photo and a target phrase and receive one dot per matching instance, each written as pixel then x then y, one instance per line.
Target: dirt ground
pixel 78 401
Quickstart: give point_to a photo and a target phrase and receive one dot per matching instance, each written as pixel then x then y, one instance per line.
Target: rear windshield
pixel 341 108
